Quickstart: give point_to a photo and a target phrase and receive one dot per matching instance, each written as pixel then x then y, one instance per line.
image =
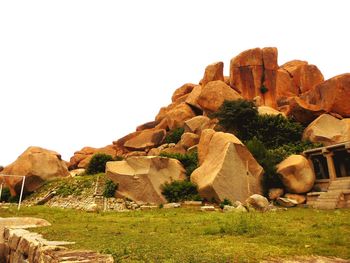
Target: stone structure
pixel 331 165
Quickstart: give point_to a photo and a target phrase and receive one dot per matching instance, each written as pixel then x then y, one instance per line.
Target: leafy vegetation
pixel 188 160
pixel 110 188
pixel 178 191
pixel 225 202
pixel 98 162
pixel 174 136
pixel 187 235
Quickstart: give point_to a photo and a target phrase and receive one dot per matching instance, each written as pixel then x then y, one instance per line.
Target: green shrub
pixel 174 136
pixel 98 162
pixel 241 117
pixel 225 202
pixel 5 195
pixel 110 188
pixel 177 191
pixel 188 160
pixel 263 89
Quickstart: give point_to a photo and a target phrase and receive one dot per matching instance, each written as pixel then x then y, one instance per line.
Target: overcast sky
pixel 85 73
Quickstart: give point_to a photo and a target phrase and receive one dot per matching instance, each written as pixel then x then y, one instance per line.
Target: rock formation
pixel 141 178
pixel 227 170
pixel 37 165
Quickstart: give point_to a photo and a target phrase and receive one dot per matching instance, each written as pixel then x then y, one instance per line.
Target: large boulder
pixel 296 174
pixel 198 124
pixel 182 91
pixel 328 130
pixel 192 98
pixel 214 94
pixel 146 139
pixel 227 170
pixel 253 73
pixel 141 178
pixel 213 72
pixel 37 165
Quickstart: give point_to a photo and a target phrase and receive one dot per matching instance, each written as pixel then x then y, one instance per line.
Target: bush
pixel 174 136
pixel 110 188
pixel 188 160
pixel 5 195
pixel 225 202
pixel 177 191
pixel 241 117
pixel 98 162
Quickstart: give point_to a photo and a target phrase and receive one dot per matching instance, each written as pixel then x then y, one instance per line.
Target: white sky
pixel 85 73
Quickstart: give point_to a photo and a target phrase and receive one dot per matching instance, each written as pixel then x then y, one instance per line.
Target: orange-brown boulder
pixel 188 140
pixel 141 178
pixel 146 139
pixel 296 174
pixel 213 72
pixel 203 145
pixel 285 87
pixel 213 95
pixel 333 95
pixel 328 130
pixel 147 125
pixel 198 124
pixel 192 98
pixel 183 90
pixel 228 170
pixel 37 165
pixel 253 73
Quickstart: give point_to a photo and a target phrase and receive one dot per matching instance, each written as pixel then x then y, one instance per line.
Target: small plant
pixel 263 89
pixel 225 202
pixel 188 160
pixel 110 188
pixel 5 195
pixel 98 162
pixel 174 136
pixel 177 191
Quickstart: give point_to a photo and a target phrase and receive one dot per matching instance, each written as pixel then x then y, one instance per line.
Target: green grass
pixel 185 235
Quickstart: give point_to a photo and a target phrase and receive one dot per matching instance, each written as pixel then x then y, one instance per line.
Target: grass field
pixel 187 235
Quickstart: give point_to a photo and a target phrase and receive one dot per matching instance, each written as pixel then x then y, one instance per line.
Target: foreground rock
pixel 258 202
pixel 37 165
pixel 141 178
pixel 328 130
pixel 296 174
pixel 227 170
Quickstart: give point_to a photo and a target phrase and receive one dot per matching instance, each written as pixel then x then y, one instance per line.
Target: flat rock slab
pixel 23 222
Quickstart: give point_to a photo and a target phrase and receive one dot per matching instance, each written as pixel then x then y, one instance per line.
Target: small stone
pixel 148 207
pixel 208 208
pixel 172 205
pixel 286 202
pixel 192 203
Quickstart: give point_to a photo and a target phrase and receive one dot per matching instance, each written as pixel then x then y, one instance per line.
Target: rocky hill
pixel 227 169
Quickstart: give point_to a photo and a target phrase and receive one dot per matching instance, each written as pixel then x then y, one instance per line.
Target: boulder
pixel 37 165
pixel 328 130
pixel 183 90
pixel 285 86
pixel 296 174
pixel 141 178
pixel 332 95
pixel 286 202
pixel 253 73
pixel 258 202
pixel 300 199
pixel 146 139
pixel 199 123
pixel 207 208
pixel 227 169
pixel 175 115
pixel 237 209
pixel 77 172
pixel 213 95
pixel 213 72
pixel 188 140
pixel 275 193
pixel 81 158
pixel 147 125
pixel 192 98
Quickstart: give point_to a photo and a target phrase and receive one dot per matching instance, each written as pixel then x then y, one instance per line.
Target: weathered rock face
pixel 213 72
pixel 268 110
pixel 227 170
pixel 213 95
pixel 192 98
pixel 37 165
pixel 188 140
pixel 296 174
pixel 253 73
pixel 258 202
pixel 328 130
pixel 198 124
pixel 146 139
pixel 141 178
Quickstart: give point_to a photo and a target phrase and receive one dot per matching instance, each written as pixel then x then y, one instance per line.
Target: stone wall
pixel 22 246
